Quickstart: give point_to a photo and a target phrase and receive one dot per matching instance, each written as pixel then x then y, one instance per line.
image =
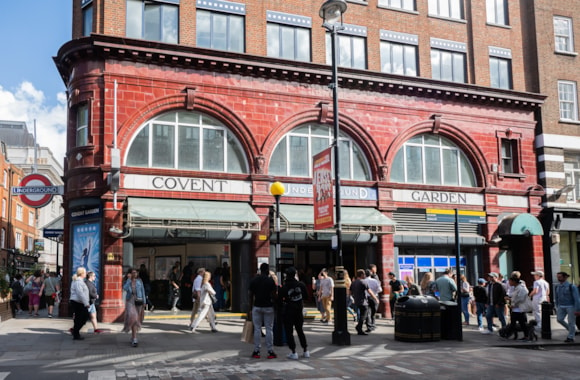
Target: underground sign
pixel 36 190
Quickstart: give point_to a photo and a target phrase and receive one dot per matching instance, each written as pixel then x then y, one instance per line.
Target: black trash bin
pixel 417 319
pixel 450 320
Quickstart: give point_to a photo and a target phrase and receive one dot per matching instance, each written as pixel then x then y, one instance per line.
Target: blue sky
pixel 31 32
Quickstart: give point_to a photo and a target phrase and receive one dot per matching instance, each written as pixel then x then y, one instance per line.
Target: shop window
pixel 293 154
pixel 351 49
pixel 563 34
pixel 153 20
pixel 288 36
pixel 187 141
pixel 568 99
pixel 408 5
pixel 446 8
pixel 83 125
pixel 497 12
pixel 87 7
pixel 572 173
pixel 222 31
pixel 432 160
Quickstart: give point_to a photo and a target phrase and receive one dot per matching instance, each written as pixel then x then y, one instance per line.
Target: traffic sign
pixel 36 190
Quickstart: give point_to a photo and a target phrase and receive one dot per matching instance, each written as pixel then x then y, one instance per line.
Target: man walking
pixel 293 293
pixel 360 292
pixel 540 293
pixel 262 293
pixel 446 286
pixel 326 295
pixel 196 293
pixel 495 302
pixel 567 303
pixel 375 287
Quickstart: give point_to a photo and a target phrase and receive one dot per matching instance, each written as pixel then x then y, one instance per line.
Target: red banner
pixel 322 185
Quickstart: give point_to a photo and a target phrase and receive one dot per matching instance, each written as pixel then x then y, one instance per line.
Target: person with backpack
pixel 567 302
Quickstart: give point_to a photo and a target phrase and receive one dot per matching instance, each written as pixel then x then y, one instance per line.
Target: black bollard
pixel 546 320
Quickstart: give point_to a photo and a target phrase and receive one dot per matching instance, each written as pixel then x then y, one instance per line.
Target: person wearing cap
pixel 567 303
pixel 540 293
pixel 480 298
pixel 397 290
pixel 293 293
pixel 495 303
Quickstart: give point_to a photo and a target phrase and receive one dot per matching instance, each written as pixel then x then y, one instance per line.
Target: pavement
pixel 168 350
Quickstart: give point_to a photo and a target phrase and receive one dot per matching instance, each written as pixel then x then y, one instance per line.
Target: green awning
pixel 300 218
pixel 520 224
pixel 191 214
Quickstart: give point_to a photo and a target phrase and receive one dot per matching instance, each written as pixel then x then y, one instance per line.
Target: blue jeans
pixel 497 310
pixel 561 313
pixel 263 316
pixel 479 311
pixel 465 308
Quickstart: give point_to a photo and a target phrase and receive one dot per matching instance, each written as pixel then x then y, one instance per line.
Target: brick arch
pixel 347 125
pixel 461 139
pixel 177 102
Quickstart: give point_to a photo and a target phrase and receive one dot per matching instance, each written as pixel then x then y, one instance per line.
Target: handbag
pixel 527 306
pixel 248 332
pixel 139 301
pixel 213 298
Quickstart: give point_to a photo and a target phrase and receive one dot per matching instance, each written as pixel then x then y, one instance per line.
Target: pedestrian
pixel 17 293
pixel 196 293
pixel 517 297
pixel 262 295
pixel 205 304
pixel 446 286
pixel 79 300
pixel 375 287
pixel 361 293
pixel 495 303
pixel 326 295
pixel 465 296
pixel 50 289
pixel 374 274
pixel 414 289
pixel 567 303
pixel 428 285
pixel 397 290
pixel 174 288
pixel 540 293
pixel 134 304
pixel 34 294
pixel 316 294
pixel 292 294
pixel 219 289
pixel 93 297
pixel 350 307
pixel 480 298
pixel 144 276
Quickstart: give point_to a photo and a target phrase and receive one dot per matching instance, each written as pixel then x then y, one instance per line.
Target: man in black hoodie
pixel 293 293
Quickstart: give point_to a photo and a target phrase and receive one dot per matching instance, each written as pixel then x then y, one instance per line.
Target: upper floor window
pixel 446 8
pixel 399 53
pixel 500 68
pixel 30 243
pixel 432 160
pixel 18 240
pixel 187 141
pixel 5 179
pixel 3 242
pixel 564 35
pixel 83 125
pixel 293 154
pixel 31 218
pixel 509 156
pixel 288 36
pixel 3 207
pixel 19 212
pixel 572 173
pixel 87 7
pixel 448 60
pixel 568 98
pixel 153 20
pixel 352 50
pixel 220 25
pixel 408 5
pixel 497 12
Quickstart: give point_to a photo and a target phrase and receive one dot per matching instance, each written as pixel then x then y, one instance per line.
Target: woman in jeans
pixel 134 304
pixel 465 296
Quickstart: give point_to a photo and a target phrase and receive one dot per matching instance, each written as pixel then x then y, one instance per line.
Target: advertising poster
pixel 87 248
pixel 322 186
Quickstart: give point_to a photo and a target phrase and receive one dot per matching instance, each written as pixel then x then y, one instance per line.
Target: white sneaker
pixel 495 329
pixel 486 332
pixel 306 354
pixel 480 328
pixel 292 355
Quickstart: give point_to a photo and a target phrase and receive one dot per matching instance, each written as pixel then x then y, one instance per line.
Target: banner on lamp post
pixel 322 186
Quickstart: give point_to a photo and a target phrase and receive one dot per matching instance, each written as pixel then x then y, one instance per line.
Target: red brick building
pixel 198 106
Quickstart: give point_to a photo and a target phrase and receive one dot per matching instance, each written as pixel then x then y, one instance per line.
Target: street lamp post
pixel 331 13
pixel 277 190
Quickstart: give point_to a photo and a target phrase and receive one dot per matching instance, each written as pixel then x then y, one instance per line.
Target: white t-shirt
pixel 542 286
pixel 326 285
pixel 197 284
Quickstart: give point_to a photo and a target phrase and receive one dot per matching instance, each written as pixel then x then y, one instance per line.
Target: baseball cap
pixel 481 281
pixel 492 274
pixel 538 273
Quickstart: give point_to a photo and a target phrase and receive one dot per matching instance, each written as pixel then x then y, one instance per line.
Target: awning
pixel 300 218
pixel 191 214
pixel 520 224
pixel 54 229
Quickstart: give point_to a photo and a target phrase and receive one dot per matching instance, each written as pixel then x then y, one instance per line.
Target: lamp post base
pixel 340 335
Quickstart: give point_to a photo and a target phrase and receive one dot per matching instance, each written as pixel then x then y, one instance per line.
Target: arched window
pixel 188 141
pixel 293 154
pixel 432 160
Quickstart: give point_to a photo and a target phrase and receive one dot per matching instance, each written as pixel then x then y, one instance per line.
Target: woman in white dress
pixel 205 304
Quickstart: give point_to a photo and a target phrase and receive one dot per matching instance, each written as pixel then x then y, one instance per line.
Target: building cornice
pixel 151 52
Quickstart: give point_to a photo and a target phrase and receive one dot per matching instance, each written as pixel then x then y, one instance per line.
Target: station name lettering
pixel 439 197
pixel 189 184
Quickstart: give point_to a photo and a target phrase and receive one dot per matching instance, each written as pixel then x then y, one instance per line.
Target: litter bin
pixel 417 319
pixel 547 311
pixel 450 320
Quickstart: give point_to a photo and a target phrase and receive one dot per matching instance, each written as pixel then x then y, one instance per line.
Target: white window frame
pixel 3 242
pixel 391 45
pixel 572 173
pixel 18 240
pixel 31 218
pixel 568 107
pixel 408 5
pixel 567 38
pixel 4 207
pixel 495 64
pixel 82 138
pixel 493 9
pixel 19 212
pixel 451 9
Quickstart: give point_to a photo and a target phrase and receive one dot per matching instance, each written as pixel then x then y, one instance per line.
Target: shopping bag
pixel 248 332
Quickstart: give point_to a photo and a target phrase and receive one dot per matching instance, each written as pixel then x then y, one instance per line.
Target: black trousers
pixel 363 313
pixel 294 319
pixel 81 315
pixel 517 317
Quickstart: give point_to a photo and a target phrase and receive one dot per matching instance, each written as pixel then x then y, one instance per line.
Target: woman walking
pixel 79 299
pixel 93 297
pixel 465 295
pixel 34 294
pixel 134 301
pixel 206 304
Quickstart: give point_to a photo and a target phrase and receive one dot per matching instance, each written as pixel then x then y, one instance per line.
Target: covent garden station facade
pixel 171 151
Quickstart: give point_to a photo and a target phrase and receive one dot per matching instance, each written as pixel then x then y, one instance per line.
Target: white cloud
pixel 26 104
